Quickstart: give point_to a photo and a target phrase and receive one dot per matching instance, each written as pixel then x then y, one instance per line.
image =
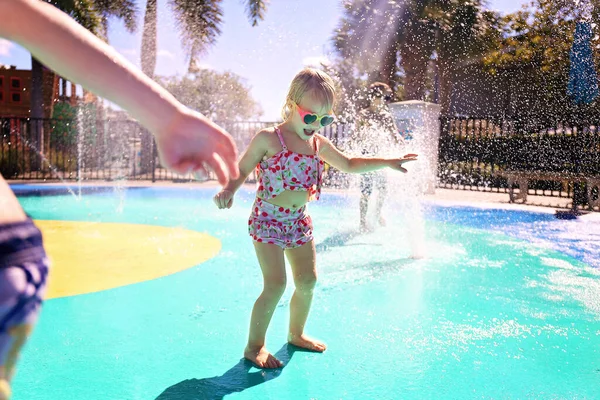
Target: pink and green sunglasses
pixel 310 118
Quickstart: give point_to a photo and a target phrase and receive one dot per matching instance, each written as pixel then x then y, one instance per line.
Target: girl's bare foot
pixel 261 358
pixel 308 343
pixel 365 228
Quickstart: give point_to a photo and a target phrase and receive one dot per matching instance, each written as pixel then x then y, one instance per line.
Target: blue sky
pixel 294 33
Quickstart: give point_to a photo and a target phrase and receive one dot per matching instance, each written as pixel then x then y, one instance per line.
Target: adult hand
pixel 192 143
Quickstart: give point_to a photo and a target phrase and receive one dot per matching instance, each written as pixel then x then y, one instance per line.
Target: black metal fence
pixel 475 153
pixel 90 149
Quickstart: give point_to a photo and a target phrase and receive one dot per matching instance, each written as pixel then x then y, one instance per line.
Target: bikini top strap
pixel 280 138
pixel 316 145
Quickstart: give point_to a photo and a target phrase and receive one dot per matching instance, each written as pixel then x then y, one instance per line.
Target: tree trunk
pixel 415 71
pixel 148 54
pixel 64 89
pixel 388 67
pixel 415 53
pixel 148 61
pixel 446 80
pixel 37 112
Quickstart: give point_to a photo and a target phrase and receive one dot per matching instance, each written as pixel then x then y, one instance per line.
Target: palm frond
pixel 125 10
pixel 256 9
pixel 82 11
pixel 198 22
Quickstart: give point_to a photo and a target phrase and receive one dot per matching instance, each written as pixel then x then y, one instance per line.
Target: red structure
pixel 15 92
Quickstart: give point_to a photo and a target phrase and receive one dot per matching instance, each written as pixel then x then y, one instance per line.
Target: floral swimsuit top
pixel 287 170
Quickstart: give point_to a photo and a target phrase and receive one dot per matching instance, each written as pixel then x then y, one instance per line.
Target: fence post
pixel 153 161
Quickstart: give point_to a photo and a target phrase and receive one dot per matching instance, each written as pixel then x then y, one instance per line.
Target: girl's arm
pixel 358 165
pixel 252 156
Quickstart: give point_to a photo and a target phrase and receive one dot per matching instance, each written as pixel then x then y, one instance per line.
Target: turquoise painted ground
pixel 493 311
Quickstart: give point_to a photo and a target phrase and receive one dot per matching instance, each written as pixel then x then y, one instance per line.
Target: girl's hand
pixel 224 199
pixel 397 163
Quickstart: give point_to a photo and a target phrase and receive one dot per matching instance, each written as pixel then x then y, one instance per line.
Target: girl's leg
pixel 5 391
pixel 382 187
pixel 19 335
pixel 13 285
pixel 366 188
pixel 272 264
pixel 302 261
pixel 364 205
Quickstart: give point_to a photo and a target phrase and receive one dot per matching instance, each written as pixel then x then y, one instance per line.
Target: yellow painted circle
pixel 91 256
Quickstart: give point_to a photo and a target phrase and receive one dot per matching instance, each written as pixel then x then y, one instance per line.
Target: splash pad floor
pixel 504 305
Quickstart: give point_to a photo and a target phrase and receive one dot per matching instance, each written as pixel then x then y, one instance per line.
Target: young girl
pixel 289 160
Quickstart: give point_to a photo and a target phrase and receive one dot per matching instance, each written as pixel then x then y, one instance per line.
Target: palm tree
pixel 125 10
pixel 381 36
pixel 83 13
pixel 416 40
pixel 387 35
pixel 464 32
pixel 91 14
pixel 199 26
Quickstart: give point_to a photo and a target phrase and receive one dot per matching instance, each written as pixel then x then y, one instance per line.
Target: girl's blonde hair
pixel 309 80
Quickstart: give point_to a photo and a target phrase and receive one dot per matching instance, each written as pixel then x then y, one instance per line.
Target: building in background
pixel 15 92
